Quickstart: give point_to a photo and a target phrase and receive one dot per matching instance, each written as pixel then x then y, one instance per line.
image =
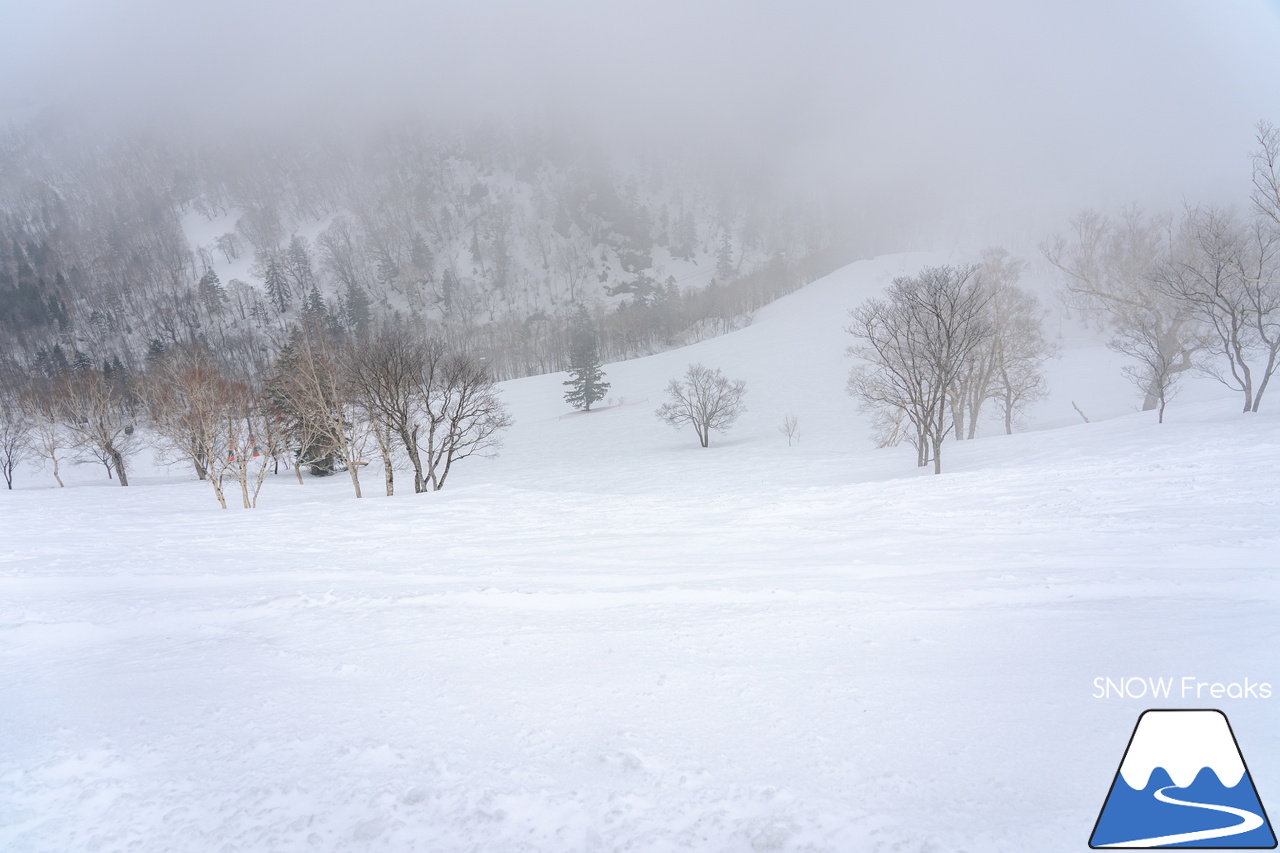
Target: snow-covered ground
pixel 610 638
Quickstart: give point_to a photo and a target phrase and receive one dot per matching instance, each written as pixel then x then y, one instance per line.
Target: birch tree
pixel 15 435
pixel 313 385
pixel 97 413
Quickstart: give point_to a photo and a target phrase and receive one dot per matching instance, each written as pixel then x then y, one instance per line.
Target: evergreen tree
pixel 278 291
pixel 388 271
pixel 299 265
pixel 315 310
pixel 586 380
pixel 211 291
pixel 724 259
pixel 448 283
pixel 58 361
pixel 356 306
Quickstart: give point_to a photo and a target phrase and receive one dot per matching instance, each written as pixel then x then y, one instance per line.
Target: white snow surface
pixel 1183 743
pixel 609 638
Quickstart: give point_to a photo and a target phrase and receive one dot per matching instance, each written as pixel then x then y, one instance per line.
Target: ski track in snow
pixel 611 639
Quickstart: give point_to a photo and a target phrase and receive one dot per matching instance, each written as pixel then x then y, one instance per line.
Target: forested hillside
pixel 115 248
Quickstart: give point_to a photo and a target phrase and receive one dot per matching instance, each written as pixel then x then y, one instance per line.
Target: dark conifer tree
pixel 357 308
pixel 278 291
pixel 586 379
pixel 299 265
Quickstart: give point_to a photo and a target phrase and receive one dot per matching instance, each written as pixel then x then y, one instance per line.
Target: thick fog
pixel 982 117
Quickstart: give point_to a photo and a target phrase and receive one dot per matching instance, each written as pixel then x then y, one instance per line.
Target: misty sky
pixel 984 110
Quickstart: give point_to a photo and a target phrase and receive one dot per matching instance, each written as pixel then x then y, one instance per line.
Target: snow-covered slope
pixel 609 638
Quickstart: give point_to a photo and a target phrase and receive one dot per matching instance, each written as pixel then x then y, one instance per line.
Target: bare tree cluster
pixel 1109 266
pixel 441 404
pixel 941 344
pixel 324 402
pixel 99 413
pixel 1226 275
pixel 15 434
pixel 225 426
pixel 916 344
pixel 1006 367
pixel 1199 292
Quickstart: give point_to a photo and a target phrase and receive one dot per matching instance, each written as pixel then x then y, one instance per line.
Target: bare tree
pixel 48 437
pixel 15 435
pixel 1007 366
pixel 96 411
pixel 705 400
pixel 915 344
pixel 194 410
pixel 463 411
pixel 1227 276
pixel 1151 367
pixel 1109 266
pixel 1019 348
pixel 223 424
pixel 1019 376
pixel 247 440
pixel 312 384
pixel 179 411
pixel 387 372
pixel 790 424
pixel 442 405
pixel 1266 172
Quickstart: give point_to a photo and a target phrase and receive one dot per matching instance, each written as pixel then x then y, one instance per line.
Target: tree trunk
pixel 939 432
pixel 217 491
pixel 354 469
pixel 387 470
pixel 409 438
pixel 1248 389
pixel 117 459
pixel 61 485
pixel 1156 388
pixel 257 486
pixel 1267 372
pixel 975 408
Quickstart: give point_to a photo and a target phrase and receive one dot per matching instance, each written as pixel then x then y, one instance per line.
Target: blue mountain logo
pixel 1183 783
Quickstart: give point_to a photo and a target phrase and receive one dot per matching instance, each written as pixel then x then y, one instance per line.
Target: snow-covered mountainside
pixel 610 638
pixel 111 249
